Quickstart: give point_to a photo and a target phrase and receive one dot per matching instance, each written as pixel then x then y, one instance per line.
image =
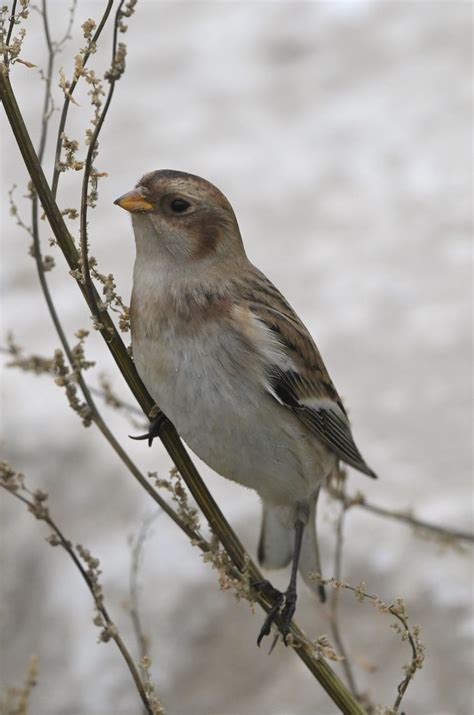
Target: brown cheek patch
pixel 206 235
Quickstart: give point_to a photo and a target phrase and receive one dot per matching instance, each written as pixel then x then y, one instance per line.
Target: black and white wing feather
pixel 295 372
pixel 325 417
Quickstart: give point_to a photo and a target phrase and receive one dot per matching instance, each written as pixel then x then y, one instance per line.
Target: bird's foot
pixel 281 612
pixel 156 425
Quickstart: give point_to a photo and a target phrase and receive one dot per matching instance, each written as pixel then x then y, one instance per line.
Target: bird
pixel 228 361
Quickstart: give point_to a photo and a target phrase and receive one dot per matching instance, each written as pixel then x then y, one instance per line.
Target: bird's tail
pixel 276 545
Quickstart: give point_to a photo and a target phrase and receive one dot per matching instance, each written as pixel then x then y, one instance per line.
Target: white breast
pixel 211 388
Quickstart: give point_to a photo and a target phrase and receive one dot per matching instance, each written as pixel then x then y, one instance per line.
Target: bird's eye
pixel 179 206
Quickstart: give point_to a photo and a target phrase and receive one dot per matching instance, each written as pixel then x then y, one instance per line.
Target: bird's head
pixel 182 217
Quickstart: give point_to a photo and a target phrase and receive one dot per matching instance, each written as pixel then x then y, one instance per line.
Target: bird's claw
pixel 271 616
pixel 266 588
pixel 280 613
pixel 156 425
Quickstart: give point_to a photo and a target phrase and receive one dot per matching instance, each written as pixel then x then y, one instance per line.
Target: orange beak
pixel 134 201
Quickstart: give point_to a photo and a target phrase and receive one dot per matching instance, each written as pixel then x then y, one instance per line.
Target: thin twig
pixel 396 609
pixel 443 531
pixel 416 660
pixel 42 366
pixel 67 34
pixel 134 606
pixel 37 508
pixel 334 600
pixel 67 99
pixel 359 500
pixel 10 28
pixel 87 173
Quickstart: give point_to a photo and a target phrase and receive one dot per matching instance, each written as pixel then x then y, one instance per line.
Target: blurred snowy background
pixel 340 132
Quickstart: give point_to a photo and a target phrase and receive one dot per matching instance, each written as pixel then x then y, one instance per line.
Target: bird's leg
pixel 285 603
pixel 156 425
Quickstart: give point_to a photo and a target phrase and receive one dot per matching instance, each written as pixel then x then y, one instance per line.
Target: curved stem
pixel 334 601
pixel 87 174
pixel 446 532
pixel 114 634
pixel 10 30
pixel 67 100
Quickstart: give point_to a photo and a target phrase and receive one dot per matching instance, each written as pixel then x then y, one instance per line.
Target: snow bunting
pixel 228 361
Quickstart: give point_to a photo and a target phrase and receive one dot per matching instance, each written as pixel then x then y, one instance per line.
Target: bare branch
pixel 12 24
pixel 448 535
pixel 15 212
pixel 68 97
pixel 14 483
pixel 334 599
pixel 16 700
pixel 397 609
pixel 67 34
pixel 41 365
pixel 47 94
pixel 91 154
pixel 11 47
pixel 134 606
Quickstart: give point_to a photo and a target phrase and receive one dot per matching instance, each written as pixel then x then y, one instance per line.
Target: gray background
pixel 340 133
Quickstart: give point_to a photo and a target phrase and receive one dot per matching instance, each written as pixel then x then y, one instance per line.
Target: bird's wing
pixel 294 372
